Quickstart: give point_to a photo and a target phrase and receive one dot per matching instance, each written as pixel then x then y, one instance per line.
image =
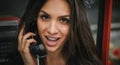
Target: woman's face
pixel 53 24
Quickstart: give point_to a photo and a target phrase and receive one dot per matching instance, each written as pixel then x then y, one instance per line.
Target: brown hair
pixel 79 48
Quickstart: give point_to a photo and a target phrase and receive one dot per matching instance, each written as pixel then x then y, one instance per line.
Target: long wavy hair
pixel 79 48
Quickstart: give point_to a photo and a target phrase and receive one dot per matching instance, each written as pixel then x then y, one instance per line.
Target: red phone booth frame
pixel 104 27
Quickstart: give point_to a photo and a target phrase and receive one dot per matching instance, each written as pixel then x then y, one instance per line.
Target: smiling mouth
pixel 52 38
pixel 52 41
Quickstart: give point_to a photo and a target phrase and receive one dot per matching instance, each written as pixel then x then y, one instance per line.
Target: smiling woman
pixel 62 28
pixel 50 20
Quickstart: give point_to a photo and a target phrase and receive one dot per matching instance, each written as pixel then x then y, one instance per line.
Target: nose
pixel 52 28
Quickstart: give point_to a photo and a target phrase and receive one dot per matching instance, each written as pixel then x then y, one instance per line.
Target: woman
pixel 63 28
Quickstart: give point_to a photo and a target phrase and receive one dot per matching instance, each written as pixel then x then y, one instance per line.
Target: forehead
pixel 56 5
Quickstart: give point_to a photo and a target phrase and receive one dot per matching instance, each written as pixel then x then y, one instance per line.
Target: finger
pixel 27 44
pixel 25 50
pixel 25 37
pixel 20 36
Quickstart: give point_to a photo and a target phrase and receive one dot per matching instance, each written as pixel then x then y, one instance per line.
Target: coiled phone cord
pixel 38 60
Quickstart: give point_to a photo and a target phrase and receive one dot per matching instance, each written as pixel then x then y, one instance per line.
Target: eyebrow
pixel 49 14
pixel 44 12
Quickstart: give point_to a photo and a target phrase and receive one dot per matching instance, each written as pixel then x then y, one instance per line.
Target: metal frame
pixel 104 27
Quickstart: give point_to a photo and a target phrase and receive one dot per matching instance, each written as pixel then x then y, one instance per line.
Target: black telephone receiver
pixel 36 49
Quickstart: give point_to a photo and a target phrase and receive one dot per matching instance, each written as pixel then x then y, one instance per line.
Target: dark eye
pixel 64 20
pixel 44 17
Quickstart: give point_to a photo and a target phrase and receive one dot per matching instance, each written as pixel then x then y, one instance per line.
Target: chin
pixel 52 49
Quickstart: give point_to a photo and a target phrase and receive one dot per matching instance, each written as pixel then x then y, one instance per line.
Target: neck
pixel 55 59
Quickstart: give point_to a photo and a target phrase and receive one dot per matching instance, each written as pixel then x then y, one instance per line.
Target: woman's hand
pixel 23 47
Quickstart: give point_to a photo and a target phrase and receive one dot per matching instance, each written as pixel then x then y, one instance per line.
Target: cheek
pixel 65 30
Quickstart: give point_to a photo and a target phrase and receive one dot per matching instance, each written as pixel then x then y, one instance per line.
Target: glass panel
pixel 114 52
pixel 92 12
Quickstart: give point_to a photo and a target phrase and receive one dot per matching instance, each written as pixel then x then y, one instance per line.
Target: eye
pixel 64 20
pixel 44 17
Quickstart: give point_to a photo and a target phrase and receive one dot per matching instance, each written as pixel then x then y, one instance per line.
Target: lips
pixel 52 41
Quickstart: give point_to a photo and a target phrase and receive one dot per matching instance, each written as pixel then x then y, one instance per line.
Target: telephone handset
pixel 36 49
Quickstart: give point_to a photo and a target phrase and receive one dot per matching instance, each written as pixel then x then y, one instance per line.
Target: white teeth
pixel 52 38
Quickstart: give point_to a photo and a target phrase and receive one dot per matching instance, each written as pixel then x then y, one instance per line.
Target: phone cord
pixel 38 60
